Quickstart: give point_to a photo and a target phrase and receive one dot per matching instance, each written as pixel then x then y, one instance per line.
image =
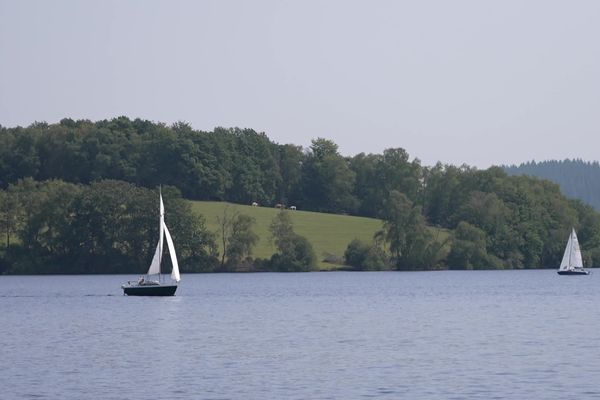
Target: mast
pixel 156 260
pixel 161 233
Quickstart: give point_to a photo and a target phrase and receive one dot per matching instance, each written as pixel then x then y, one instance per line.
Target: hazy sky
pixel 477 82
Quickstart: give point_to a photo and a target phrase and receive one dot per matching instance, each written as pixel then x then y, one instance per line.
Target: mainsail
pixel 572 257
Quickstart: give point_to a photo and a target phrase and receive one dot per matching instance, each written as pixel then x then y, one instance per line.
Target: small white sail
pixel 175 273
pixel 564 264
pixel 576 259
pixel 155 265
pixel 572 257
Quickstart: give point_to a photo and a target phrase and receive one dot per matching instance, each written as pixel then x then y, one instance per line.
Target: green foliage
pixel 328 180
pixel 289 162
pixel 294 252
pixel 589 230
pixel 9 216
pixel 355 253
pixel 107 227
pixel 242 238
pixel 240 165
pixel 525 220
pixel 329 234
pixel 404 230
pixel 469 249
pixel 237 238
pixel 365 257
pixel 577 179
pixel 378 175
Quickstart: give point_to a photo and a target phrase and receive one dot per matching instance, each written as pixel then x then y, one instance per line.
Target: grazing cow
pixel 254 204
pixel 280 206
pixel 292 207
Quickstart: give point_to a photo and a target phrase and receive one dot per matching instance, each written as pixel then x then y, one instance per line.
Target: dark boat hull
pixel 580 272
pixel 150 290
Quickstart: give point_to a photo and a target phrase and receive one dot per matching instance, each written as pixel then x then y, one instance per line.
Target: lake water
pixel 340 335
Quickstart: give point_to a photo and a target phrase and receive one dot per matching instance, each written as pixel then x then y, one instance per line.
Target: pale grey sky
pixel 477 82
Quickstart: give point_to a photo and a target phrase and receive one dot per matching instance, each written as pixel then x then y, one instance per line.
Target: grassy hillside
pixel 328 233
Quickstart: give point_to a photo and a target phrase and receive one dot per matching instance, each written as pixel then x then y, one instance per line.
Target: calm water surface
pixel 422 335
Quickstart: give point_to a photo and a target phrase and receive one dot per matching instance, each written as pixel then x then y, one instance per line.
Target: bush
pixel 332 258
pixel 365 257
pixel 294 252
pixel 301 258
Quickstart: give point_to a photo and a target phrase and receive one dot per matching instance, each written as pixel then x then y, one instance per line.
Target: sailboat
pixel 572 264
pixel 147 286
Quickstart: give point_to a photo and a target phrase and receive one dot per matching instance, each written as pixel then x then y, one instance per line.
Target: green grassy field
pixel 328 233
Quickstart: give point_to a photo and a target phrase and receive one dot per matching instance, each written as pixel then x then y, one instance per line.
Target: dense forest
pixel 70 170
pixel 577 179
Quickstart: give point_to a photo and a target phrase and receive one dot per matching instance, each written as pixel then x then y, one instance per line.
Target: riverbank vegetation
pixel 79 196
pixel 329 234
pixel 105 227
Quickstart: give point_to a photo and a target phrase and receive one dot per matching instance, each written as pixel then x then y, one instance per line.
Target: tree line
pixel 495 220
pixel 105 227
pixel 112 227
pixel 577 179
pixel 235 165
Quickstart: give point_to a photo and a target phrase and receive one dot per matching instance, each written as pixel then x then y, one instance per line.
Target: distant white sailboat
pixel 149 287
pixel 572 263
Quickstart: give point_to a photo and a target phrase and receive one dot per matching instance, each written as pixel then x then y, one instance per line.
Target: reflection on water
pixel 430 335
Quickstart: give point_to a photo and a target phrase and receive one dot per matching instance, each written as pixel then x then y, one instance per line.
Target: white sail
pixel 572 257
pixel 175 273
pixel 576 259
pixel 155 265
